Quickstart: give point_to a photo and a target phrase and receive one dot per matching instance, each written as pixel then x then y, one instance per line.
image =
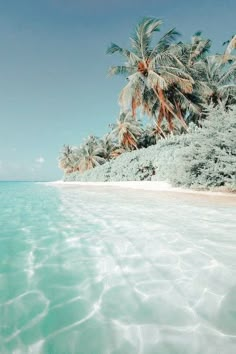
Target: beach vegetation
pixel 204 158
pixel 126 131
pixel 188 95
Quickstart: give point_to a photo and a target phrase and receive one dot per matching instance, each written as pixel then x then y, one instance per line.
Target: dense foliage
pixel 172 83
pixel 203 158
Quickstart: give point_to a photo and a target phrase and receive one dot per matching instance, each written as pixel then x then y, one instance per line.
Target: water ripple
pixel 116 272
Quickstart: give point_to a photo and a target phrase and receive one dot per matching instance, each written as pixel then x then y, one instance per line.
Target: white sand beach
pixel 158 186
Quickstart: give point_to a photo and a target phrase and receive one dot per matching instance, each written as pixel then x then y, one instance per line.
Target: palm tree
pixel 69 159
pixel 152 72
pixel 217 81
pixel 214 76
pixel 190 105
pixel 127 130
pixel 109 147
pixel 91 154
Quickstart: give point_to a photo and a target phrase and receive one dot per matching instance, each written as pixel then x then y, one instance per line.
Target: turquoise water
pixel 115 271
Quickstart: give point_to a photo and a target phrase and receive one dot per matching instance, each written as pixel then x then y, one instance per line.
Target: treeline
pixel 169 81
pixel 205 158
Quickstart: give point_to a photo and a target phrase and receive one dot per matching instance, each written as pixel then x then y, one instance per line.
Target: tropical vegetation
pixel 204 158
pixel 174 85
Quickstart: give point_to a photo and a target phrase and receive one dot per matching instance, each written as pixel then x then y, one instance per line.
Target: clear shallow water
pixel 115 271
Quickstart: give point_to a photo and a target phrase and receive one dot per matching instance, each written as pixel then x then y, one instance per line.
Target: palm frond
pixel 203 89
pixel 188 102
pixel 202 47
pixel 120 70
pixel 228 75
pixel 166 40
pixel 114 48
pixel 227 90
pixel 230 47
pixel 176 76
pixel 154 80
pixel 140 41
pixel 129 96
pixel 168 57
pixel 197 34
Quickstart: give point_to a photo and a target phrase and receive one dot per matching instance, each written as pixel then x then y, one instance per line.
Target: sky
pixel 54 87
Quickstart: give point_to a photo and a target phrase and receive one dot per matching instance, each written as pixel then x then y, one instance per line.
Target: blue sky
pixel 54 87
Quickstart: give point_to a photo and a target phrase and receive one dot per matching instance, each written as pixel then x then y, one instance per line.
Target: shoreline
pixel 158 186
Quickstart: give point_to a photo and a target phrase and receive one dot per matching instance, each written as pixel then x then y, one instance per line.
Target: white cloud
pixel 40 160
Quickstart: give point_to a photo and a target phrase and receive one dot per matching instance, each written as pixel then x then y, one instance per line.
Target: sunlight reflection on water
pixel 116 271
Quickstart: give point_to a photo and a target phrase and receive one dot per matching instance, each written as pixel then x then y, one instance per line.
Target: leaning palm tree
pixel 127 131
pixel 152 71
pixel 91 154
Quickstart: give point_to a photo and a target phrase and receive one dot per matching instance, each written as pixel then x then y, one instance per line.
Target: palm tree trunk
pixel 161 97
pixel 134 106
pixel 159 121
pixel 169 118
pixel 180 117
pixel 160 117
